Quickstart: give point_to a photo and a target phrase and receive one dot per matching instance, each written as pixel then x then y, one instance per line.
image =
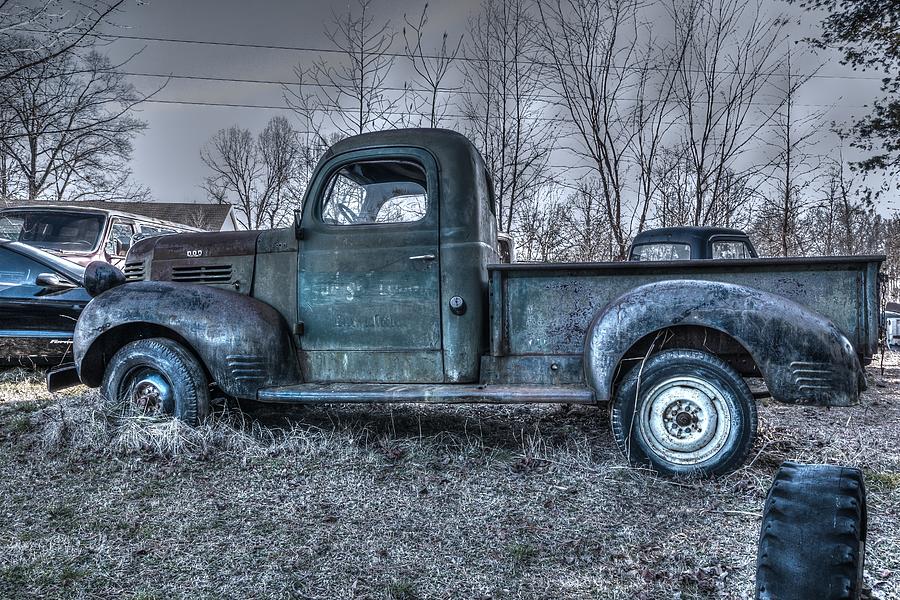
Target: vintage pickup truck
pixel 388 288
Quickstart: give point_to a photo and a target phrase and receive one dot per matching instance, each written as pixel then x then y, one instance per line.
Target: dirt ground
pixel 401 502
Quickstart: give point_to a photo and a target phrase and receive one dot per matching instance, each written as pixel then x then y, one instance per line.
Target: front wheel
pixel 684 412
pixel 156 377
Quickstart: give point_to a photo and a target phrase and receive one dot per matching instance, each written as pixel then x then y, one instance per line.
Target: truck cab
pixel 389 287
pixel 691 243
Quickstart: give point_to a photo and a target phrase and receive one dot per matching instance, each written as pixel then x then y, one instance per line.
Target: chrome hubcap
pixel 685 420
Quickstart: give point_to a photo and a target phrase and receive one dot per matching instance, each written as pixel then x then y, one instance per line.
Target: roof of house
pixel 210 217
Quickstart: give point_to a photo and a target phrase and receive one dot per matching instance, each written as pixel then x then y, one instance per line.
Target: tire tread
pixel 812 534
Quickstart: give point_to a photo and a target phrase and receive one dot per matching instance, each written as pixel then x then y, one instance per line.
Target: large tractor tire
pixel 813 534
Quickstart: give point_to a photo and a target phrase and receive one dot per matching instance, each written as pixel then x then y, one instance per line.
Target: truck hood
pixel 223 259
pixel 195 245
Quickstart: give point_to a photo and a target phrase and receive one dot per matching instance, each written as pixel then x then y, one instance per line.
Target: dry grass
pixel 399 502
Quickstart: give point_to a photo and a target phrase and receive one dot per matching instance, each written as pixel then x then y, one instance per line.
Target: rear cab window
pixel 730 249
pixel 661 251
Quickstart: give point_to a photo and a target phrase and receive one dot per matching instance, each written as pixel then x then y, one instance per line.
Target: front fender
pixel 802 356
pixel 244 344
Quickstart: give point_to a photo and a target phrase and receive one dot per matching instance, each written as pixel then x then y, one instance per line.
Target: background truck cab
pixel 691 243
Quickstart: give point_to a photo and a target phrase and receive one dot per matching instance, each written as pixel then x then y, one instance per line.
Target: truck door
pixel 369 282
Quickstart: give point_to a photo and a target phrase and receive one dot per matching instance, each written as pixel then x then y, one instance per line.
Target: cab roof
pixel 688 235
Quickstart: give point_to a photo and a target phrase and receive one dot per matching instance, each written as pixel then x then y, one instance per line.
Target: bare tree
pixel 253 174
pixel 279 153
pixel 54 28
pixel 69 131
pixel 541 228
pixel 431 68
pixel 795 169
pixel 891 248
pixel 349 94
pixel 845 220
pixel 504 111
pixel 593 46
pixel 588 233
pixel 732 55
pixel 675 186
pixel 651 115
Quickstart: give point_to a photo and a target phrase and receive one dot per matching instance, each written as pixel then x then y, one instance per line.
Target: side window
pixel 152 230
pixel 120 238
pixel 730 249
pixel 16 269
pixel 376 192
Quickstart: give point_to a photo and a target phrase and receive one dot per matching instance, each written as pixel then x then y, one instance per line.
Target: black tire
pixel 684 412
pixel 813 533
pixel 163 365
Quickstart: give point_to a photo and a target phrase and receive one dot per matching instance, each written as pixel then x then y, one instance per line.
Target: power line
pixel 170 40
pixel 332 109
pixel 542 97
pixel 340 110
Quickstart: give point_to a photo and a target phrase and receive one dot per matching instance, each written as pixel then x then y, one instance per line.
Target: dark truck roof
pixel 697 237
pixel 463 177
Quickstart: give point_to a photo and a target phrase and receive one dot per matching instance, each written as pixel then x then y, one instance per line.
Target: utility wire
pixel 556 99
pixel 170 40
pixel 334 109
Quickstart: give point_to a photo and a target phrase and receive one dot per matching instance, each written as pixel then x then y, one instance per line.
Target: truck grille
pixel 202 274
pixel 134 271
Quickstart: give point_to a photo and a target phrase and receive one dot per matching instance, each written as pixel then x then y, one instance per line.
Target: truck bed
pixel 540 310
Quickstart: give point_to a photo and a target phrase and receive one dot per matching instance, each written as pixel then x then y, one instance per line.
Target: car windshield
pixel 52 230
pixel 68 269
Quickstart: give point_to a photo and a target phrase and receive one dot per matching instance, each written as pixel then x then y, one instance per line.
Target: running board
pixel 326 393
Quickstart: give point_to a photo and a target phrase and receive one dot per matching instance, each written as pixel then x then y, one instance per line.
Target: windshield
pixel 68 269
pixel 52 230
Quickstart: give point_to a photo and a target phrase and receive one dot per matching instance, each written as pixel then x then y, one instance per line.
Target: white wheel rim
pixel 685 420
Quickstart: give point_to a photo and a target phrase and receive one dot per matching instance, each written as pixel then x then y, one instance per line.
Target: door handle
pixel 423 257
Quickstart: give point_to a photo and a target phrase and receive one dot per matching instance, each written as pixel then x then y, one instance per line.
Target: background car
pixel 41 297
pixel 82 234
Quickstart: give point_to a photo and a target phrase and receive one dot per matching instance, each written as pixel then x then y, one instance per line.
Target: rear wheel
pixel 684 412
pixel 156 377
pixel 813 532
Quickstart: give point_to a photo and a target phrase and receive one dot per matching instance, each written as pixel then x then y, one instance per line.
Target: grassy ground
pixel 400 502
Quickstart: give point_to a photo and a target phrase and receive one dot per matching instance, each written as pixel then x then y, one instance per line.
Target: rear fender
pixel 244 344
pixel 802 356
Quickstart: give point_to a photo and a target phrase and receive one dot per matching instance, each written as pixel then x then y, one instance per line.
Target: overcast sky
pixel 166 156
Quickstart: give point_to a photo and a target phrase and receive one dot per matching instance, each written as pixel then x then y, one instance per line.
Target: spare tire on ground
pixel 812 538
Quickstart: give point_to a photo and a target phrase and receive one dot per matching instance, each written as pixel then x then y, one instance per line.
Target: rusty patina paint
pixel 244 343
pixel 802 356
pixel 300 314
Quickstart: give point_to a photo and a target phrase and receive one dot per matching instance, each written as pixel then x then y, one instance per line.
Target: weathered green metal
pixel 315 393
pixel 367 290
pixel 546 308
pixel 460 229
